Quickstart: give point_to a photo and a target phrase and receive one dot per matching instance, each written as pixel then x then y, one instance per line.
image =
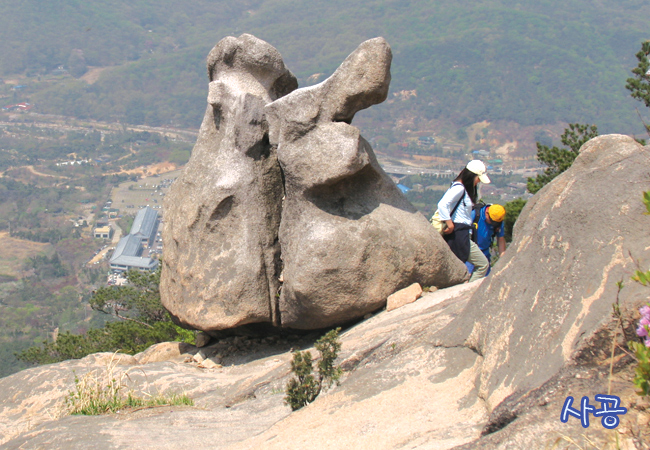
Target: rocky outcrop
pixel 349 238
pixel 479 365
pixel 395 385
pixel 397 391
pixel 548 303
pixel 483 365
pixel 222 257
pixel 342 240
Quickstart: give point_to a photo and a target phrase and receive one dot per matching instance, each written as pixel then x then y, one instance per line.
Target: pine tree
pixel 306 386
pixel 639 86
pixel 142 322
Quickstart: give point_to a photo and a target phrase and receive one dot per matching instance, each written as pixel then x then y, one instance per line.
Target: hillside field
pixel 15 252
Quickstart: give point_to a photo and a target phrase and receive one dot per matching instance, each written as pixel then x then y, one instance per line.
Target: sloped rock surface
pixel 349 237
pixel 399 390
pixel 387 362
pixel 549 302
pixel 429 402
pixel 222 257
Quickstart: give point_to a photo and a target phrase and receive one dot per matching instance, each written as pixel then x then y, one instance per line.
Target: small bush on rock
pixel 305 387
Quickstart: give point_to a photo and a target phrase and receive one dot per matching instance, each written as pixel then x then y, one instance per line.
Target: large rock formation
pixel 349 238
pixel 548 303
pixel 221 264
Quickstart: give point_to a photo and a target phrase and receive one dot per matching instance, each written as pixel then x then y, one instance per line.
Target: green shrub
pixel 642 370
pixel 127 337
pixel 557 159
pixel 642 349
pixel 305 387
pixel 513 209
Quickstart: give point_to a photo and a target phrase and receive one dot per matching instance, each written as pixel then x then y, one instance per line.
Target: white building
pixel 105 232
pixel 145 226
pixel 127 254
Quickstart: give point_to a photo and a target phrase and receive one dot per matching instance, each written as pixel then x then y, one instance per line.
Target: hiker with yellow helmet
pixel 487 221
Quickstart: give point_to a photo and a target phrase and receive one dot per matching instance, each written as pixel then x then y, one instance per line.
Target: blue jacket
pixel 486 232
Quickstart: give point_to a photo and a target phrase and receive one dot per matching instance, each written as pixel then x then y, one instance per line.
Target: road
pixel 41 174
pixel 109 248
pixel 72 124
pixel 406 170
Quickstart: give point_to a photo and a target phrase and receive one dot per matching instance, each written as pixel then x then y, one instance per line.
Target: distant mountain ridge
pixel 528 62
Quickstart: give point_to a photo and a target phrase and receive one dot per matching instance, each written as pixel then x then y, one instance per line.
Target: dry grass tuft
pixel 104 393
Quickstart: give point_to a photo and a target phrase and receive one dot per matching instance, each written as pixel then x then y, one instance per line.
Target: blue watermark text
pixel 609 411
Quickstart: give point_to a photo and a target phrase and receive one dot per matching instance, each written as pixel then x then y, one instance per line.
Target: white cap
pixel 479 169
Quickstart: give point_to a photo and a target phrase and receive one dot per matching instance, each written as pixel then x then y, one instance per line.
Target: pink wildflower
pixel 644 324
pixel 645 312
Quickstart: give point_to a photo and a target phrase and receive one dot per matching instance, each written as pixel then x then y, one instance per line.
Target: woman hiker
pixel 455 209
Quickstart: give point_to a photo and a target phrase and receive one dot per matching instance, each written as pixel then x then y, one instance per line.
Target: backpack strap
pixel 477 216
pixel 462 199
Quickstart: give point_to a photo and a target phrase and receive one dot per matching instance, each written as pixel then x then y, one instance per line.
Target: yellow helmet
pixel 496 213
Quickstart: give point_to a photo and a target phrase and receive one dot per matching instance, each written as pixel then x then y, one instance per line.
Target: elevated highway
pixel 407 170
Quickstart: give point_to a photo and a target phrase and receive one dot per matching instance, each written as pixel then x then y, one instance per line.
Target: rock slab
pixel 398 391
pixel 404 297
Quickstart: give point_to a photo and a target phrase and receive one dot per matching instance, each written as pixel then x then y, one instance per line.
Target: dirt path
pixel 41 174
pixel 154 169
pixel 99 256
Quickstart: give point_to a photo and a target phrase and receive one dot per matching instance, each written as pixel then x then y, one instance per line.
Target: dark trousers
pixel 458 241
